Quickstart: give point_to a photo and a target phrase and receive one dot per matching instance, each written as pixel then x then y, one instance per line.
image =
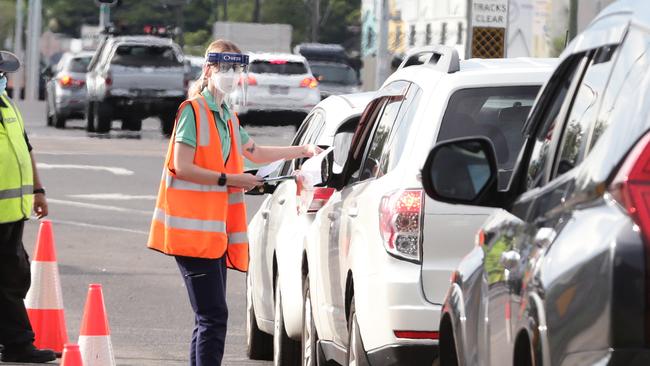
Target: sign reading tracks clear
pixel 490 13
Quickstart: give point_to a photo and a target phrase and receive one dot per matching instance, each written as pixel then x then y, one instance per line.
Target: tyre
pixel 309 336
pixel 167 124
pixel 103 117
pixel 132 124
pixel 448 355
pixel 286 351
pixel 259 345
pixel 48 114
pixel 90 117
pixel 356 353
pixel 58 120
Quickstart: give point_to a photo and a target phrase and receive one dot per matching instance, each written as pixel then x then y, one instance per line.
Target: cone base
pixel 49 328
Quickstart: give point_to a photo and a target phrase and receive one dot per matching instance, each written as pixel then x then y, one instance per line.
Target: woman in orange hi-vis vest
pixel 200 215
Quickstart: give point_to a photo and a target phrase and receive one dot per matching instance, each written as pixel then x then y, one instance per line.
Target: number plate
pixel 277 89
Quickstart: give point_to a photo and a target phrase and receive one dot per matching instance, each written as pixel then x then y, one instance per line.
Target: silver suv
pixel 134 77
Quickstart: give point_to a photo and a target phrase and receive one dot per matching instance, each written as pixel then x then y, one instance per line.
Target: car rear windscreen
pixel 142 55
pixel 277 67
pixel 498 113
pixel 336 74
pixel 79 64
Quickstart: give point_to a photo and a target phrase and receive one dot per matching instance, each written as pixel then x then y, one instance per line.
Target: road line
pixel 110 169
pixel 102 227
pixel 99 207
pixel 112 196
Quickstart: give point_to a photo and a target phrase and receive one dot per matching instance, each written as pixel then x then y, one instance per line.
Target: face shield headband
pixel 230 75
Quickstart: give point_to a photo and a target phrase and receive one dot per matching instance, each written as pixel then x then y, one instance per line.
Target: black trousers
pixel 205 280
pixel 15 279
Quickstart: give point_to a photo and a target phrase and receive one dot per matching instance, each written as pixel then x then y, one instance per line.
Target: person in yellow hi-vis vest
pixel 20 192
pixel 200 215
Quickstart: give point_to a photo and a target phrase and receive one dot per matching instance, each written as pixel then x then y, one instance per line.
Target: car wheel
pixel 356 353
pixel 309 336
pixel 259 345
pixel 448 355
pixel 167 124
pixel 90 117
pixel 285 350
pixel 103 118
pixel 48 114
pixel 58 120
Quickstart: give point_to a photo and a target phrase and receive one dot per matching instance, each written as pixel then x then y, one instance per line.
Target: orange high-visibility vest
pixel 203 220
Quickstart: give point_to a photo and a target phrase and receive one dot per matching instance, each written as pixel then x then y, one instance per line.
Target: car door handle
pixel 510 259
pixel 545 236
pixel 281 201
pixel 265 214
pixel 353 211
pixel 332 216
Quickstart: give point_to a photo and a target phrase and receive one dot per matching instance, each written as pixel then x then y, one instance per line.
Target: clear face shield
pixel 230 75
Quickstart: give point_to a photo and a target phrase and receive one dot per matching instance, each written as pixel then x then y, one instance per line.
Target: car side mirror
pixel 265 188
pixel 461 171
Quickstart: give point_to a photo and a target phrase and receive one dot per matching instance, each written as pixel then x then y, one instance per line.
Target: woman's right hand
pixel 244 180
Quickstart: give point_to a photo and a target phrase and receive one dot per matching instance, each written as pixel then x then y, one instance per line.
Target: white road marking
pixel 99 207
pixel 112 196
pixel 101 227
pixel 110 169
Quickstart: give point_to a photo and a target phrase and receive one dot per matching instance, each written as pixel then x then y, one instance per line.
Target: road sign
pixel 488 21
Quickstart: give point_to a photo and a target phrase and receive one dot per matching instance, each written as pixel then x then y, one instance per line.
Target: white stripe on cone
pixel 96 350
pixel 45 291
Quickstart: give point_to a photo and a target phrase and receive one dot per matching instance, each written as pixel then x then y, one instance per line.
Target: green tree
pixel 7 23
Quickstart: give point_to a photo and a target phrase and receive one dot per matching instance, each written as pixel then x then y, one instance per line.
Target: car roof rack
pixel 443 58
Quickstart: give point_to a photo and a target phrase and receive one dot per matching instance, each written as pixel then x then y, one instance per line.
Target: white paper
pixel 268 169
pixel 311 169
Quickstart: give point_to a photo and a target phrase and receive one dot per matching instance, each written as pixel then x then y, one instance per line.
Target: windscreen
pixel 498 113
pixel 142 55
pixel 79 64
pixel 277 67
pixel 336 74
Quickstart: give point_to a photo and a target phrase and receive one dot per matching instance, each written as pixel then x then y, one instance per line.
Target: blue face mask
pixel 3 84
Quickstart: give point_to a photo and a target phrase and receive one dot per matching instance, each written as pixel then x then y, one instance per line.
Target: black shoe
pixel 28 354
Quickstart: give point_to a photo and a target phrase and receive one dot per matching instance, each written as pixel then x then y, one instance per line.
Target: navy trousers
pixel 205 280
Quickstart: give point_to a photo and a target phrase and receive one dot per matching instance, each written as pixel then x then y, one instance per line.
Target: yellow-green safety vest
pixel 16 176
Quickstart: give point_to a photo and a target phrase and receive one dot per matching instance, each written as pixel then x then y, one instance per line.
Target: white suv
pixel 274 291
pixel 380 252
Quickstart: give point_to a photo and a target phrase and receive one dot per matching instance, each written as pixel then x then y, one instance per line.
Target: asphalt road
pixel 101 193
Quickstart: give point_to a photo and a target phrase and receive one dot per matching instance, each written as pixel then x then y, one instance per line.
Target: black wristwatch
pixel 39 190
pixel 222 179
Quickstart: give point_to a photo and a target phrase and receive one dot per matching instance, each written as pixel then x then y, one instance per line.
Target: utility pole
pixel 315 20
pixel 573 19
pixel 18 49
pixel 32 69
pixel 382 57
pixel 225 10
pixel 257 11
pixel 104 16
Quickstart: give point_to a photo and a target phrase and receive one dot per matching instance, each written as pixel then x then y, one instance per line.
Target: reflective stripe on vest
pixel 16 176
pixel 203 220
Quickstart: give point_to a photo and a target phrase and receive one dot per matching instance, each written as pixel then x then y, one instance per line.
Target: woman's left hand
pixel 310 150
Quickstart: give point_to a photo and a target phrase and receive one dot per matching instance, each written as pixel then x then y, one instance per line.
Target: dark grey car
pixel 561 275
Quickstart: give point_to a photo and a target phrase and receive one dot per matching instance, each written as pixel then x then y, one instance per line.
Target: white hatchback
pixel 279 82
pixel 380 253
pixel 274 282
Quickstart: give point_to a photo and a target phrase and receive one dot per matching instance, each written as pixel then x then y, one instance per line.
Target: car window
pixel 145 55
pixel 277 67
pixel 379 142
pixel 78 64
pixel 498 113
pixel 398 139
pixel 545 117
pixel 335 74
pixel 343 141
pixel 361 135
pixel 287 167
pixel 582 117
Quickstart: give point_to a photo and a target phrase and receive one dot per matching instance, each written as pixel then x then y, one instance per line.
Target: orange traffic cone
pixel 71 355
pixel 94 336
pixel 44 301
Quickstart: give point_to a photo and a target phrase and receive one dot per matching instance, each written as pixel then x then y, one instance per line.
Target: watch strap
pixel 222 179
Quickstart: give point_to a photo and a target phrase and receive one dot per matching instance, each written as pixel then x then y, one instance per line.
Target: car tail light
pixel 417 334
pixel 251 80
pixel 400 222
pixel 67 81
pixel 278 62
pixel 108 80
pixel 631 188
pixel 321 196
pixel 310 83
